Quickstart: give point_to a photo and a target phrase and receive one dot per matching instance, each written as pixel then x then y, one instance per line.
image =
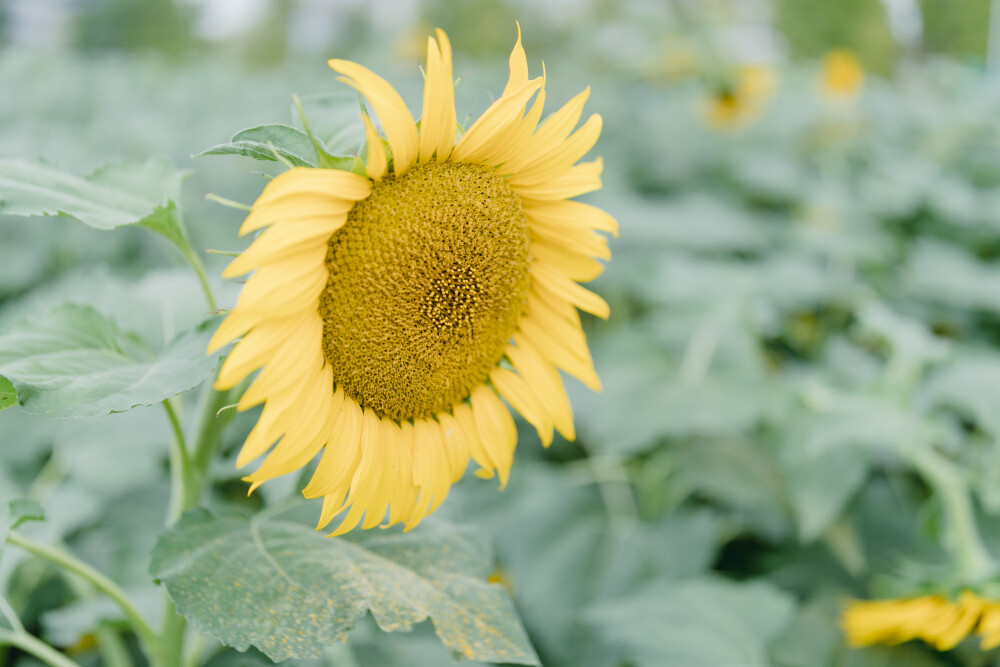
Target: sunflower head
pixel 842 76
pixel 739 101
pixel 390 311
pixel 935 619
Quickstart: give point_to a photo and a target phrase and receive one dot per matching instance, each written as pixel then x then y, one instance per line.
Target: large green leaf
pixel 112 196
pixel 702 621
pixel 74 362
pixel 272 582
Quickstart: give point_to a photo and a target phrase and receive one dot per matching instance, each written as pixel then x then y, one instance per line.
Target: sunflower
pixel 389 312
pixel 736 103
pixel 934 619
pixel 842 76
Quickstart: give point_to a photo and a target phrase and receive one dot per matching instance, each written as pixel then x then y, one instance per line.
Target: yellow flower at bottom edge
pixel 390 312
pixel 842 75
pixel 934 619
pixel 743 101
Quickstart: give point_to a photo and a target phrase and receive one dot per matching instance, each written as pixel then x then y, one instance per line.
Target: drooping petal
pixel 397 122
pixel 496 428
pixel 544 378
pixel 523 398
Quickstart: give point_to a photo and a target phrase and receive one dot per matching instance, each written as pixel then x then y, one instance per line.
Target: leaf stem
pixel 199 269
pixel 11 615
pixel 180 465
pixel 962 538
pixel 102 583
pixel 36 647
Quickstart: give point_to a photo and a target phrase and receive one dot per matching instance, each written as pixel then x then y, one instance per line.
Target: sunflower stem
pixel 114 653
pixel 189 471
pixel 102 583
pixel 961 538
pixel 36 647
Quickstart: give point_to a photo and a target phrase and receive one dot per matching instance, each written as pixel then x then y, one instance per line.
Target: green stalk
pixel 114 653
pixel 962 538
pixel 189 472
pixel 36 647
pixel 102 583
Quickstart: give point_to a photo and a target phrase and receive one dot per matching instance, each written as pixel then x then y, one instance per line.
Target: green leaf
pixel 277 584
pixel 8 395
pixel 76 363
pixel 113 196
pixel 703 621
pixel 15 512
pixel 263 141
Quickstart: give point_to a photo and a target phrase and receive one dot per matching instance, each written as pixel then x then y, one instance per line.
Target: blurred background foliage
pixel 805 296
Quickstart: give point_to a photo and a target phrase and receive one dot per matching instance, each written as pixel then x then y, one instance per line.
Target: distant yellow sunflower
pixel 842 76
pixel 390 312
pixel 934 619
pixel 740 101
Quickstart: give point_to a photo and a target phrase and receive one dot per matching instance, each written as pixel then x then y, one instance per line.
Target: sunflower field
pixel 284 282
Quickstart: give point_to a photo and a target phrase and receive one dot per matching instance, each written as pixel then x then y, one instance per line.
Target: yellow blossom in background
pixel 739 103
pixel 391 311
pixel 934 619
pixel 842 76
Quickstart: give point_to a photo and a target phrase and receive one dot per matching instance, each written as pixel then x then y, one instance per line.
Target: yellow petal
pixel 477 450
pixel 550 134
pixel 575 266
pixel 299 355
pixel 281 240
pixel 404 492
pixel 437 122
pixel 255 350
pixel 306 434
pixel 551 284
pixel 496 428
pixel 518 63
pixel 491 130
pixel 400 128
pixel 543 376
pixel 377 163
pixel 454 444
pixel 342 453
pixel 524 399
pixel 557 351
pixel 570 214
pixel 306 192
pixel 367 477
pixel 555 163
pixel 575 181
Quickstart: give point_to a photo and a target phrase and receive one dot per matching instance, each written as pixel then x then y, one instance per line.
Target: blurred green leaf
pixel 76 363
pixel 277 584
pixel 15 512
pixel 704 621
pixel 8 395
pixel 263 141
pixel 113 196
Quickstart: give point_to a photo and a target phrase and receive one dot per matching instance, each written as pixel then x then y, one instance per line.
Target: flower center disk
pixel 427 281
